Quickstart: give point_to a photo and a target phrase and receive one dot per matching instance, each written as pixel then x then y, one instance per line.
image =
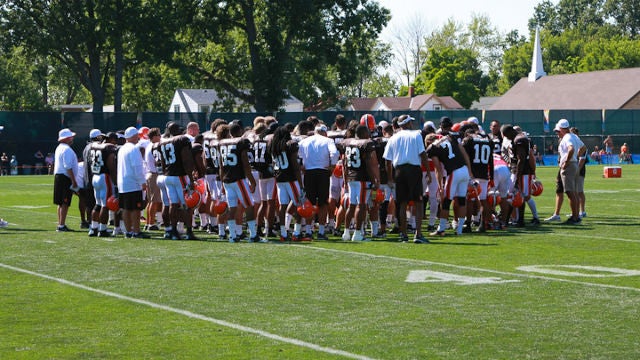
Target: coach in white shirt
pixel 319 155
pixel 131 182
pixel 65 169
pixel 570 149
pixel 404 153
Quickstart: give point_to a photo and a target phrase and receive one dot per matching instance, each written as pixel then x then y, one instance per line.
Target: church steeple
pixel 537 69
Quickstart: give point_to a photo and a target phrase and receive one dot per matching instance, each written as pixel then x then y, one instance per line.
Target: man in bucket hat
pixel 64 183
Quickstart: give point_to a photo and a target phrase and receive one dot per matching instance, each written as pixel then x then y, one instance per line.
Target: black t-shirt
pixel 171 150
pixel 356 153
pixel 522 145
pixel 480 153
pixel 98 157
pixel 231 158
pixel 448 153
pixel 210 151
pixel 380 143
pixel 284 164
pixel 260 158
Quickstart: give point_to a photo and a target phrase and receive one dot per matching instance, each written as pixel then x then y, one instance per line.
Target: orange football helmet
pixel 306 209
pixel 377 196
pixel 516 199
pixel 369 121
pixel 201 186
pixel 337 171
pixel 112 203
pixel 192 198
pixel 219 207
pixel 536 187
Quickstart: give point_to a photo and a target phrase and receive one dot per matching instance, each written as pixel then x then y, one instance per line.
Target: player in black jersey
pixel 361 172
pixel 214 182
pixel 237 179
pixel 447 153
pixel 480 152
pixel 178 165
pixel 102 161
pixel 523 168
pixel 284 155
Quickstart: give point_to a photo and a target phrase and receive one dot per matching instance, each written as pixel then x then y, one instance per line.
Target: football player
pixel 238 181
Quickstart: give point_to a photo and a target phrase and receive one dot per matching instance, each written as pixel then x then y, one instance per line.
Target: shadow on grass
pixel 22 230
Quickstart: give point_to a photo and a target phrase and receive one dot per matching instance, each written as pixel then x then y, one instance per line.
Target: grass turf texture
pixel 152 298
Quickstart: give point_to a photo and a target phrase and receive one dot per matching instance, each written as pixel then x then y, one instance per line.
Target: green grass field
pixel 547 292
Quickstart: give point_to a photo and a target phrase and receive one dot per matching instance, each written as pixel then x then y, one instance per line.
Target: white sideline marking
pixel 194 315
pixel 470 268
pixel 599 271
pixel 598 237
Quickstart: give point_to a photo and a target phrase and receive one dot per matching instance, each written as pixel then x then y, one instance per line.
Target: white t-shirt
pixel 65 159
pixel 318 152
pixel 404 147
pixel 569 139
pixel 130 168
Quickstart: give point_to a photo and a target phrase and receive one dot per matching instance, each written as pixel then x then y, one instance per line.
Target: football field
pixel 551 291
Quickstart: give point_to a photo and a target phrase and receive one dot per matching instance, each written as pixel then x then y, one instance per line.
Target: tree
pixel 626 14
pixel 453 72
pixel 257 50
pixel 93 39
pixel 408 48
pixel 19 85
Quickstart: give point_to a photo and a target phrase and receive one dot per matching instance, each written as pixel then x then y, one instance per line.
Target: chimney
pixel 537 70
pixel 411 90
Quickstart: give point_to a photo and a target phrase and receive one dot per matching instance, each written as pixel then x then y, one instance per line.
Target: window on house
pixel 176 108
pixel 437 107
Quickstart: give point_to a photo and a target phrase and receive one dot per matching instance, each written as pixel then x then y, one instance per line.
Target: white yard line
pixel 470 268
pixel 192 315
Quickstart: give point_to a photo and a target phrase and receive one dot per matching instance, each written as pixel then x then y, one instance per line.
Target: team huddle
pixel 358 180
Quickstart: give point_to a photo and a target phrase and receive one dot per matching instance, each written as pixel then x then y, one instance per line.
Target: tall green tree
pixel 95 40
pixel 626 14
pixel 256 50
pixel 20 85
pixel 453 72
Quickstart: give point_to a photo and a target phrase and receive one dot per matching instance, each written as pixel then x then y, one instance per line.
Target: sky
pixel 506 15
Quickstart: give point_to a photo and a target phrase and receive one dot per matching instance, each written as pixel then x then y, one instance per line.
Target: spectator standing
pixel 625 155
pixel 13 164
pixel 405 153
pixel 4 163
pixel 608 148
pixel 49 160
pixel 596 155
pixel 39 156
pixel 319 155
pixel 131 183
pixel 64 170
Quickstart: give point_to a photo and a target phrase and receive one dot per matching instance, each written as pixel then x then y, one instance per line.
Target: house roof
pixel 450 103
pixel 607 89
pixel 209 96
pixel 404 103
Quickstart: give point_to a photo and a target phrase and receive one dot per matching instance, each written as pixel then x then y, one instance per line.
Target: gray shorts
pixel 570 177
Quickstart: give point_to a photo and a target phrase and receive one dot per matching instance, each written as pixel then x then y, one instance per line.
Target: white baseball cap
pixel 95 133
pixel 562 124
pixel 130 132
pixel 405 120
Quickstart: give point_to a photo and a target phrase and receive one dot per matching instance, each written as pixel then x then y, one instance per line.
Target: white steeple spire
pixel 537 70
